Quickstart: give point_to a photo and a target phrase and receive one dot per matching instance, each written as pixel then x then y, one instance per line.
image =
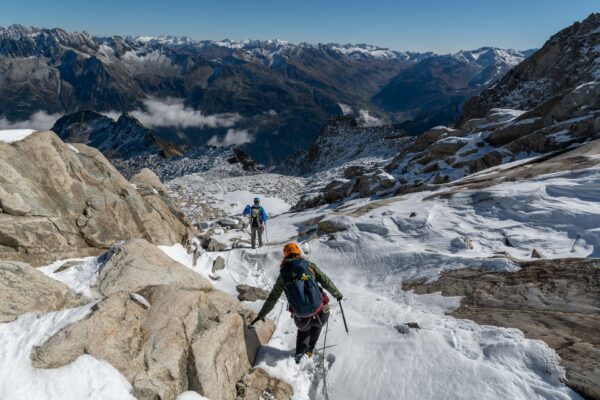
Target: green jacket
pixel 320 277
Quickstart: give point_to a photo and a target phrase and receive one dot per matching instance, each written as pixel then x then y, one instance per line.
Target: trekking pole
pixel 343 317
pixel 266 232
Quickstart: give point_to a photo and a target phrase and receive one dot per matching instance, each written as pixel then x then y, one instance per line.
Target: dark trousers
pixel 309 330
pixel 257 231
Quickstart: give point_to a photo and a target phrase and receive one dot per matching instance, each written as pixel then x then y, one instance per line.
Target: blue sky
pixel 437 25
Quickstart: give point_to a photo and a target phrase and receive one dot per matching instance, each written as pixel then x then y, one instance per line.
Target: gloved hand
pixel 340 298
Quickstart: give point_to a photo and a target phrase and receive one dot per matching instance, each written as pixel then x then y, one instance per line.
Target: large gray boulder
pixel 63 201
pixel 135 264
pixel 186 339
pixel 251 293
pixel 24 289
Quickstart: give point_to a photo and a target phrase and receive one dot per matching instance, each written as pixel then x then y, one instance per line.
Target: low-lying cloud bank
pixel 39 120
pixel 174 113
pixel 232 137
pixel 159 113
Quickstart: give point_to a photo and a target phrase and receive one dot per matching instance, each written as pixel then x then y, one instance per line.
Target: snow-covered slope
pixel 382 243
pixel 375 246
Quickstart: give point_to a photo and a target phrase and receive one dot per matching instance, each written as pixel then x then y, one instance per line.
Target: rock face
pixel 343 140
pixel 64 201
pixel 358 182
pixel 124 138
pixel 148 179
pixel 136 264
pixel 24 289
pixel 186 340
pixel 250 293
pixel 564 62
pixel 557 301
pixel 162 326
pixel 260 385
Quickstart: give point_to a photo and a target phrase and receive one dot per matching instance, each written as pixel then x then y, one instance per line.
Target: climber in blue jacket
pixel 258 219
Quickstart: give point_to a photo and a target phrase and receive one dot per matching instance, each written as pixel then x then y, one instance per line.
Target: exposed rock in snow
pixel 136 264
pixel 250 293
pixel 258 384
pixel 342 141
pixel 218 264
pixel 335 224
pixel 23 289
pixel 557 301
pixel 186 339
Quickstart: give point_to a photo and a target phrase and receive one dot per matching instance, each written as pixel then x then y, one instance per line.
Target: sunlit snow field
pixel 380 246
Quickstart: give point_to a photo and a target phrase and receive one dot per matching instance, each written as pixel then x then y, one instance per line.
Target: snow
pixel 14 135
pixel 235 202
pixel 379 247
pixel 85 378
pixel 140 299
pixel 73 148
pixel 191 396
pixel 80 277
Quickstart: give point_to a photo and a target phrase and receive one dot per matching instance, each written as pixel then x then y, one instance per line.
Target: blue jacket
pixel 262 214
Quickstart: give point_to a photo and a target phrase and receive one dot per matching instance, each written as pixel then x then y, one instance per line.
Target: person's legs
pixel 253 236
pixel 260 234
pixel 316 327
pixel 303 336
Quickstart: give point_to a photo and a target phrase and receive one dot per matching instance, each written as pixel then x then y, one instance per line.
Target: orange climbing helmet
pixel 291 248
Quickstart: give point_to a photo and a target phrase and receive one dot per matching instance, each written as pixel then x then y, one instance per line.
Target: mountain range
pixel 274 94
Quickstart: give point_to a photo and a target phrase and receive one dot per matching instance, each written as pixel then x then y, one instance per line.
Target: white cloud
pixel 173 113
pixel 232 137
pixel 346 109
pixel 366 119
pixel 39 120
pixel 114 115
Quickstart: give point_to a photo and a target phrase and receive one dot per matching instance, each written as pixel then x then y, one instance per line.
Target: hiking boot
pixel 298 358
pixel 309 354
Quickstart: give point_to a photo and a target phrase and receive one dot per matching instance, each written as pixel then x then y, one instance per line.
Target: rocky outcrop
pixel 24 289
pixel 557 301
pixel 186 339
pixel 68 200
pixel 136 264
pixel 358 182
pixel 343 140
pixel 124 138
pixel 565 61
pixel 163 326
pixel 260 385
pixel 251 293
pixel 147 180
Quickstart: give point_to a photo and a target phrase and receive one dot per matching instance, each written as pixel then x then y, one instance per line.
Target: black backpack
pixel 301 288
pixel 255 216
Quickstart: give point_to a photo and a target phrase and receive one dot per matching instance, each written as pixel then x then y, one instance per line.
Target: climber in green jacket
pixel 308 303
